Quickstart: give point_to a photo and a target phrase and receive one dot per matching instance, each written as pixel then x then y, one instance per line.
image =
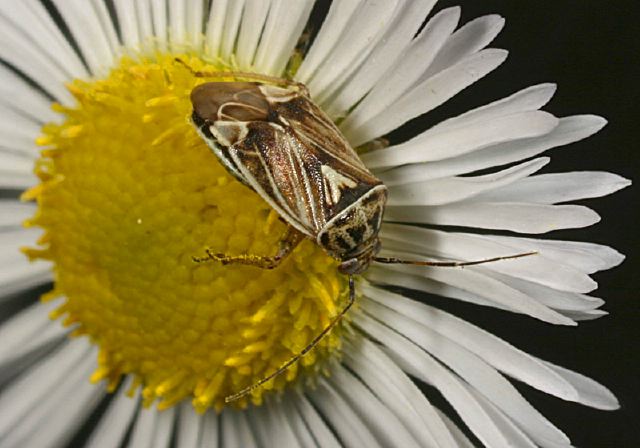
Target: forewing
pixel 233 105
pixel 313 127
pixel 289 152
pixel 277 167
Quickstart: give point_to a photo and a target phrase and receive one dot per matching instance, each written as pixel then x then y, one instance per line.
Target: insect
pixel 270 135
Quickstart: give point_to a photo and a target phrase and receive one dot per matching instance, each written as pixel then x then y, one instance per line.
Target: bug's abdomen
pixel 355 230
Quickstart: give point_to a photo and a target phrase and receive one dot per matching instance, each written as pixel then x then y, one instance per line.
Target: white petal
pixel 297 424
pixel 143 429
pixel 435 144
pixel 526 100
pixel 570 129
pixel 428 95
pixel 18 135
pixel 128 23
pixel 57 417
pixel 342 418
pixel 284 25
pixel 16 93
pixel 476 282
pixel 177 23
pixel 16 272
pixel 558 187
pixel 116 421
pixel 189 427
pixel 14 141
pixel 19 22
pixel 468 247
pixel 12 241
pixel 492 349
pixel 164 428
pixel 232 17
pixel 216 26
pixel 335 22
pixel 27 333
pixel 386 54
pixel 407 70
pixel 47 339
pixel 13 212
pixel 108 27
pixel 280 427
pixel 253 20
pixel 475 371
pixel 398 277
pixel 356 41
pixel 195 18
pixel 469 39
pixel 185 23
pixel 236 432
pixel 93 30
pixel 453 189
pixel 26 394
pixel 517 217
pixel 590 393
pixel 36 23
pixel 385 426
pixel 553 298
pixel 17 163
pixel 584 315
pixel 394 388
pixel 16 172
pixel 269 428
pixel 420 364
pixel 23 275
pixel 210 430
pixel 34 63
pixel 317 426
pixel 145 23
pixel 514 434
pixel 260 423
pixel 159 20
pixel 586 257
pixel 458 435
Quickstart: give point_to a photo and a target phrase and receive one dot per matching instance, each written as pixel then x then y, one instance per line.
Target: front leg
pixel 286 245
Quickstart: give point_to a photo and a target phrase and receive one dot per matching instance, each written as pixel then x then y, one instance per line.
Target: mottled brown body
pixel 279 143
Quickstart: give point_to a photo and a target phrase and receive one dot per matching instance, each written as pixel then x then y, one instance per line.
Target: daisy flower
pixel 111 334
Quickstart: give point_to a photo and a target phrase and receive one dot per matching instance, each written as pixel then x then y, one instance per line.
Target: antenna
pixel 312 344
pixel 450 264
pixel 233 74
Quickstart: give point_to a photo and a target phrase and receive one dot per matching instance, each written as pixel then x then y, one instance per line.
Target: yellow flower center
pixel 129 195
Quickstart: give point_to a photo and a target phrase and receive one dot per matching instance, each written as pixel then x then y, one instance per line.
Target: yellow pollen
pixel 129 194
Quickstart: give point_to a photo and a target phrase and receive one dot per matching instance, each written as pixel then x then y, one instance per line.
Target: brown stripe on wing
pixel 311 124
pixel 273 170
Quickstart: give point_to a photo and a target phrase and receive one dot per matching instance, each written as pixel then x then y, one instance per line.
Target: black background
pixel 590 49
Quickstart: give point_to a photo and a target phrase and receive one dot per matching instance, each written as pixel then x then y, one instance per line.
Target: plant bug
pixel 271 136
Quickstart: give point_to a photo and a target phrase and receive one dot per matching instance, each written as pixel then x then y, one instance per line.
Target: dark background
pixel 591 50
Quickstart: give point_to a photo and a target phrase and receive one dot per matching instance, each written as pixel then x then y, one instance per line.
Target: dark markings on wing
pixel 283 146
pixel 204 130
pixel 322 143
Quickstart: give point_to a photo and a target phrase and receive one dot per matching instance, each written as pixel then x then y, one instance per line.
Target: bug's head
pixel 359 263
